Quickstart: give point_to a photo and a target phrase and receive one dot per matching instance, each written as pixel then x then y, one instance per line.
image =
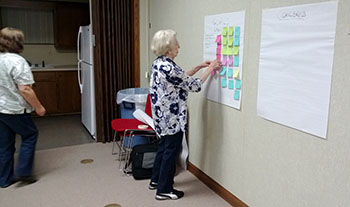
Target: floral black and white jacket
pixel 169 87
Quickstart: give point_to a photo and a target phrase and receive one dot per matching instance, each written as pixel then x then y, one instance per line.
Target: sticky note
pixel 237 31
pixel 230 60
pixel 218 50
pixel 236 95
pixel 238 84
pixel 218 39
pixel 218 56
pixel 224 60
pixel 236 60
pixel 230 41
pixel 224 83
pixel 236 43
pixel 224 31
pixel 224 50
pixel 229 51
pixel 230 31
pixel 230 84
pixel 235 50
pixel 223 71
pixel 230 73
pixel 236 73
pixel 224 40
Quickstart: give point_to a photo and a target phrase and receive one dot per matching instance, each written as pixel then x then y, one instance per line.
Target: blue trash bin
pixel 129 100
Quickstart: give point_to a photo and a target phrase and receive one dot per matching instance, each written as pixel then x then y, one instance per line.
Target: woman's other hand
pixel 214 65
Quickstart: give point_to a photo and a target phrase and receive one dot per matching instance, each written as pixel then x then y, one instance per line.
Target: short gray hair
pixel 163 41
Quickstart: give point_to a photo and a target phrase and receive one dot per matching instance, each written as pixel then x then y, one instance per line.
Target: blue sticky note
pixel 236 60
pixel 230 84
pixel 238 84
pixel 237 31
pixel 223 83
pixel 223 71
pixel 236 95
pixel 230 73
pixel 236 43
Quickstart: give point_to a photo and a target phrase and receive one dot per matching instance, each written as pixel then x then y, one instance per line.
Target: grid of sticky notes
pixel 227 51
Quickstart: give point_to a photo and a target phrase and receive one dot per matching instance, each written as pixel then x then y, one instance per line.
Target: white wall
pixel 262 163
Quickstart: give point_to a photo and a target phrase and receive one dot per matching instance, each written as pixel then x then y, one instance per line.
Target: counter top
pixel 55 68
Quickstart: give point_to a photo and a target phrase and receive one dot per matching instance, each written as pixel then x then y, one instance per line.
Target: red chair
pixel 129 128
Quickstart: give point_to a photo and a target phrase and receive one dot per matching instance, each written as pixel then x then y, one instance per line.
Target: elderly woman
pixel 169 89
pixel 17 101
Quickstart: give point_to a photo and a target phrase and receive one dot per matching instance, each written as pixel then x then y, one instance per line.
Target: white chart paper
pixel 295 69
pixel 213 89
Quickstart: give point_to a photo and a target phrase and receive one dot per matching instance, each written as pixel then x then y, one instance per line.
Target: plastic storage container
pixel 129 100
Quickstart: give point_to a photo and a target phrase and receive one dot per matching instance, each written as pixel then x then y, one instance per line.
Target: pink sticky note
pixel 218 56
pixel 230 60
pixel 218 50
pixel 224 60
pixel 218 39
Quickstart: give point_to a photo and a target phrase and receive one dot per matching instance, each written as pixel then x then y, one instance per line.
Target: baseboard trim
pixel 216 187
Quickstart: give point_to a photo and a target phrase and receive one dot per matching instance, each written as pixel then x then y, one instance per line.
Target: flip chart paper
pixel 295 69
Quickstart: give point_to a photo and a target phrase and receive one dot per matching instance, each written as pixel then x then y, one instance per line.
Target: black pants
pixel 165 162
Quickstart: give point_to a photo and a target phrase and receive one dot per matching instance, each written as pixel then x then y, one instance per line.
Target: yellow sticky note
pixel 235 50
pixel 230 41
pixel 224 31
pixel 230 31
pixel 224 41
pixel 236 73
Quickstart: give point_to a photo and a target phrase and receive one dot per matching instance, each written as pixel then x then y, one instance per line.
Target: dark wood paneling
pixel 27 4
pixel 216 187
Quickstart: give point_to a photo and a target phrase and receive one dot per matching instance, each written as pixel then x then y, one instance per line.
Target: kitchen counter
pixel 51 68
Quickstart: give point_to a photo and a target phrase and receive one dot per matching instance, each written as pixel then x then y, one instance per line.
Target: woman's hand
pixel 214 65
pixel 204 64
pixel 40 111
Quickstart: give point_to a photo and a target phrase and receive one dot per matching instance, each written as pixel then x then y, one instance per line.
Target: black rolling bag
pixel 142 159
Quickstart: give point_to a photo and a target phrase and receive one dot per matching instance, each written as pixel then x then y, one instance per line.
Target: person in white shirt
pixel 17 101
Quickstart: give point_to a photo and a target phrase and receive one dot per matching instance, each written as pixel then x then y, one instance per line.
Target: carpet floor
pixel 65 182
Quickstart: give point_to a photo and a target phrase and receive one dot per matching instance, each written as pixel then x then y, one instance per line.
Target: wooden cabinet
pixel 68 17
pixel 58 91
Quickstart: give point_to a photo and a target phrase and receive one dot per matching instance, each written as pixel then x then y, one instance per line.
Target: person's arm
pixel 29 95
pixel 194 70
pixel 214 65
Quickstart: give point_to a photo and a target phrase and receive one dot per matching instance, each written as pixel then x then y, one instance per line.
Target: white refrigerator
pixel 86 79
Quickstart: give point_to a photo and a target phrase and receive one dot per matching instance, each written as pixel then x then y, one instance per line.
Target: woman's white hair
pixel 163 41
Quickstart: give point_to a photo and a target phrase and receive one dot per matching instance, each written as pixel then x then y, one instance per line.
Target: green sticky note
pixel 224 31
pixel 235 50
pixel 229 51
pixel 230 41
pixel 223 71
pixel 224 50
pixel 230 73
pixel 236 61
pixel 237 31
pixel 230 31
pixel 224 83
pixel 236 43
pixel 230 84
pixel 236 95
pixel 238 84
pixel 224 41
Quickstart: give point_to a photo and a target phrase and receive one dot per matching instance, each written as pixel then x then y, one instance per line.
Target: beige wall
pixel 48 53
pixel 263 163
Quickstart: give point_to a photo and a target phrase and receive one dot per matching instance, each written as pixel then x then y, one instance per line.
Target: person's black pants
pixel 165 162
pixel 10 125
